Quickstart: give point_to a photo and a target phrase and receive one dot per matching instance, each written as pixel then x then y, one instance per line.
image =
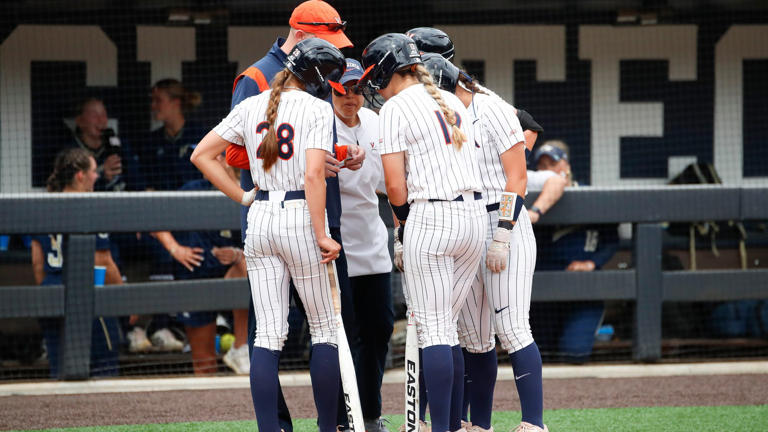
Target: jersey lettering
pixel 55 257
pixel 284 140
pixel 444 126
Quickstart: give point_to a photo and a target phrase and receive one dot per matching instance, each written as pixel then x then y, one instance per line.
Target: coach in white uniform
pixel 365 242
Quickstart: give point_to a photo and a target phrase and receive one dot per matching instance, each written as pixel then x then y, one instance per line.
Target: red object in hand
pixel 341 152
pixel 237 157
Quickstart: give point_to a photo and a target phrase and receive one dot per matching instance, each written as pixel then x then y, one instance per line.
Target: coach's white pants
pixel 279 246
pixel 442 246
pixel 501 300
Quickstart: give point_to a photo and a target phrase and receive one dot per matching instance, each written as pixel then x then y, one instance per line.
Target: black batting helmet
pixel 318 64
pixel 444 73
pixel 432 40
pixel 385 55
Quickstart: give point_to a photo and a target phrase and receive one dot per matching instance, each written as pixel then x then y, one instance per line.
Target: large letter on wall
pixel 544 44
pixel 606 46
pixel 738 43
pixel 26 44
pixel 245 45
pixel 165 48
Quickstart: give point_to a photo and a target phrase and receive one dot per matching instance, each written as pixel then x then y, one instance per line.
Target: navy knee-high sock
pixel 264 383
pixel 482 369
pixel 457 390
pixel 438 376
pixel 423 399
pixel 324 370
pixel 526 364
pixel 467 385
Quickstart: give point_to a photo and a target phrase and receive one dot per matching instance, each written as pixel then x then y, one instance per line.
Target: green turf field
pixel 698 419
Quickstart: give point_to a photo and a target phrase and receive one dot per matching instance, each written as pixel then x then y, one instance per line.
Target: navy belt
pixel 492 207
pixel 263 195
pixel 478 196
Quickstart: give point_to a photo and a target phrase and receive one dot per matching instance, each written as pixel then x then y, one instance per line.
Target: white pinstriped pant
pixel 279 246
pixel 442 246
pixel 501 301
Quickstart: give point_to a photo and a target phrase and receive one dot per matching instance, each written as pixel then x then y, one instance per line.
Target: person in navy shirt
pixel 165 154
pixel 567 329
pixel 75 170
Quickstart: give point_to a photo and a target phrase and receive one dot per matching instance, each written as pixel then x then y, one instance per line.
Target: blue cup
pixel 4 241
pixel 99 273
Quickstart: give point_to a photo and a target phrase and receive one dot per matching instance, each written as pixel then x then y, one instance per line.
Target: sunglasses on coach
pixel 332 26
pixel 356 89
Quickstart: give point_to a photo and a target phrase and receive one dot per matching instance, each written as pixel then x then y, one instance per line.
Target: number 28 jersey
pixel 412 121
pixel 303 122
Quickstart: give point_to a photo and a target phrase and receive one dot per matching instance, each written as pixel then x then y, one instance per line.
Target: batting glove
pixel 398 246
pixel 248 197
pixel 498 251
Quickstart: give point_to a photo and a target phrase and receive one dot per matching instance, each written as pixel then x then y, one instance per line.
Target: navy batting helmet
pixel 432 40
pixel 444 73
pixel 318 64
pixel 385 55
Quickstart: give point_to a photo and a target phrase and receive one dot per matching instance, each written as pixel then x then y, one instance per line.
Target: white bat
pixel 411 376
pixel 346 365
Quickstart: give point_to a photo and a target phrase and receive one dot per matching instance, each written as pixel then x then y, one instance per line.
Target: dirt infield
pixel 38 412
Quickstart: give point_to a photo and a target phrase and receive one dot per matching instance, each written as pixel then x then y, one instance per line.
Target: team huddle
pixel 451 157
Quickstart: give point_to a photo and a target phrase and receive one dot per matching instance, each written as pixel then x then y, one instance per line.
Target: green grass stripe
pixel 636 419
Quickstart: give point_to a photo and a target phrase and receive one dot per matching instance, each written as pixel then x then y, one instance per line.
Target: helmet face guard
pixel 318 64
pixel 444 73
pixel 384 56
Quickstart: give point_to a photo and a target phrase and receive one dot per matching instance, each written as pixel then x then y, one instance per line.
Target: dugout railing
pixel 77 301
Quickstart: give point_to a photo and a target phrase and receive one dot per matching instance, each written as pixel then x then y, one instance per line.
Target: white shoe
pixel 237 359
pixel 138 341
pixel 527 427
pixel 476 428
pixel 164 340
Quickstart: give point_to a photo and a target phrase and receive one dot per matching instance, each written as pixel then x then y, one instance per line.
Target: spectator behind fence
pixel 566 328
pixel 166 151
pixel 208 255
pixel 75 170
pixel 118 167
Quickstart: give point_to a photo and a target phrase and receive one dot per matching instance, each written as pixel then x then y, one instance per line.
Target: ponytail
pixel 425 78
pixel 471 85
pixel 268 149
pixel 68 163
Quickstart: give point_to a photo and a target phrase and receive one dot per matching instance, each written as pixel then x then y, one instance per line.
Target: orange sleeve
pixel 237 157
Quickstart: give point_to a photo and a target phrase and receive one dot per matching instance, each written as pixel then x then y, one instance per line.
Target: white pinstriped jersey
pixel 303 122
pixel 412 122
pixel 497 130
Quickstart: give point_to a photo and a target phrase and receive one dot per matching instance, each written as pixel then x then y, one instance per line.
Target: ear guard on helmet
pixel 318 64
pixel 444 73
pixel 384 56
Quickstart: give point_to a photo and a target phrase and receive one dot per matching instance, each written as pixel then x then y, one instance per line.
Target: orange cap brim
pixel 338 87
pixel 338 39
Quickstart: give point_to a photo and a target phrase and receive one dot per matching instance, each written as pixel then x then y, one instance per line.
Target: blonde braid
pixel 425 78
pixel 268 146
pixel 472 86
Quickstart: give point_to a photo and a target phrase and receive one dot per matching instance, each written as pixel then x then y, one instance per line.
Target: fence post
pixel 649 293
pixel 75 360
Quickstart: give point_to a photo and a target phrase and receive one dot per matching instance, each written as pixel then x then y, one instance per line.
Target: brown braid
pixel 471 86
pixel 268 148
pixel 425 78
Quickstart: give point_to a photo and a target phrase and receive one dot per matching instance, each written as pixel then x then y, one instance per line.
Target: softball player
pixel 289 129
pixel 501 294
pixel 432 181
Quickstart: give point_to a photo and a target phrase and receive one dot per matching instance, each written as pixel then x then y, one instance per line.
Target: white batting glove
pixel 248 197
pixel 498 251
